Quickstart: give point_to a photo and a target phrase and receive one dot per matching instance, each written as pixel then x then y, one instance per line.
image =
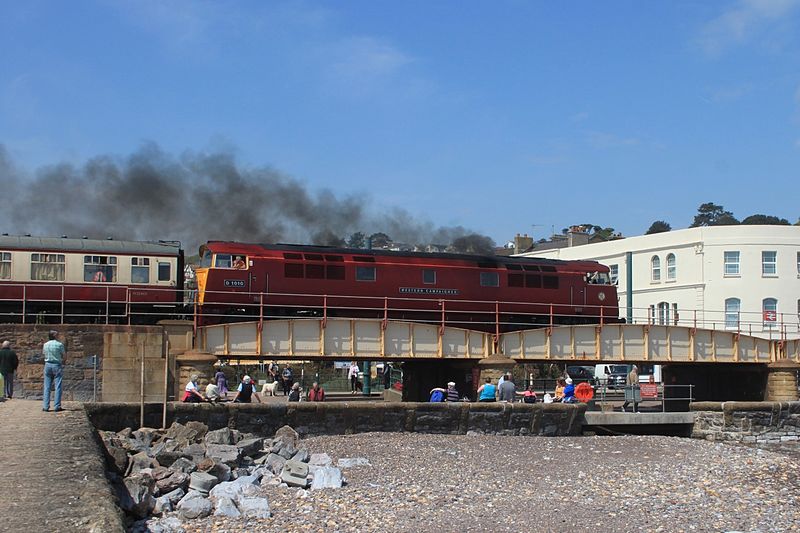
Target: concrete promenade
pixel 52 476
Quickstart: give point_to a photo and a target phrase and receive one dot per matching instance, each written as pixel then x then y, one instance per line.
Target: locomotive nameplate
pixel 428 290
pixel 234 283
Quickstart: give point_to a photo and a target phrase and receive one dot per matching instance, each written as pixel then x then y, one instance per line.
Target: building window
pixel 655 268
pixel 140 270
pixel 651 316
pixel 613 271
pixel 5 265
pixel 732 306
pixel 663 314
pixel 798 263
pixel 429 277
pixel 364 273
pixel 769 263
pixel 731 263
pixel 47 267
pixel 99 268
pixel 490 279
pixel 769 307
pixel 675 316
pixel 164 272
pixel 672 269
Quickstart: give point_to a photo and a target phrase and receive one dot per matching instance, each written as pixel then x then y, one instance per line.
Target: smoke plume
pixel 152 195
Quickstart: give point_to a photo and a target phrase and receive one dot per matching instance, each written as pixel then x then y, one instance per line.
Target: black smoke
pixel 194 197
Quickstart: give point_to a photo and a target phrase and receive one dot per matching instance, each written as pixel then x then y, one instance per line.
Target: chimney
pixel 522 243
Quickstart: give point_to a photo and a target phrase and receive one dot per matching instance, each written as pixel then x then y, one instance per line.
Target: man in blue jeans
pixel 53 368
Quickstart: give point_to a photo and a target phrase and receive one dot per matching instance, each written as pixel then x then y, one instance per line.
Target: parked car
pixel 582 374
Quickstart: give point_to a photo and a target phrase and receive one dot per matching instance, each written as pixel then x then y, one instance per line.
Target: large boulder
pixel 251 446
pixel 274 463
pixel 224 453
pixel 176 480
pixel 225 506
pixel 245 485
pixel 219 470
pixel 167 457
pixel 194 505
pixel 140 461
pixel 327 477
pixel 185 465
pixel 137 496
pixel 219 436
pixel 301 455
pixel 202 482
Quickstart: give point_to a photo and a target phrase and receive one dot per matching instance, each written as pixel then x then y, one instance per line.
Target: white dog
pixel 269 388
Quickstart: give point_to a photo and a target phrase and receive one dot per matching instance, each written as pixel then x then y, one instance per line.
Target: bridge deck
pixel 394 340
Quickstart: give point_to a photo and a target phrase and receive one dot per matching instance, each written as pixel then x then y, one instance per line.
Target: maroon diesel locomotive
pixel 490 293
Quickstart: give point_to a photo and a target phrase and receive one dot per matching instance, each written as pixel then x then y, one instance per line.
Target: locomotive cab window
pixel 5 265
pixel 164 271
pixel 490 279
pixel 140 270
pixel 365 273
pixel 47 267
pixel 99 268
pixel 223 261
pixel 239 262
pixel 429 277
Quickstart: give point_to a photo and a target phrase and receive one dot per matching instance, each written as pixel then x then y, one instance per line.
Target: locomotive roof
pixel 245 248
pixel 61 244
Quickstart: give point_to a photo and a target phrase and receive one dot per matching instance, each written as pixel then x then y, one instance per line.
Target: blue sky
pixel 497 116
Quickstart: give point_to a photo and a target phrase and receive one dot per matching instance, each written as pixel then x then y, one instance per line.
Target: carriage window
pixel 429 277
pixel 550 282
pixel 293 270
pixel 315 271
pixel 99 268
pixel 296 257
pixel 490 279
pixel 5 265
pixel 47 267
pixel 164 272
pixel 365 273
pixel 223 261
pixel 334 272
pixel 140 270
pixel 533 281
pixel 516 280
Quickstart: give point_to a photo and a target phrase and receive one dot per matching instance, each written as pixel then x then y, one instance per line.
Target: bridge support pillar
pixel 493 367
pixel 782 381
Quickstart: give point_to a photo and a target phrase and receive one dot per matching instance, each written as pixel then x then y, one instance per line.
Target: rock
pixel 118 458
pixel 250 447
pixel 138 495
pixel 169 524
pixel 225 507
pixel 288 434
pixel 327 477
pixel 195 451
pixel 155 449
pixel 224 453
pixel 187 466
pixel 301 455
pixel 270 482
pixel 275 463
pixel 321 459
pixel 163 505
pixel 167 457
pixel 239 472
pixel 175 496
pixel 285 451
pixel 125 433
pixel 194 505
pixel 139 462
pixel 178 480
pixel 202 482
pixel 146 435
pixel 350 462
pixel 301 494
pixel 254 507
pixel 295 474
pixel 219 436
pixel 221 471
pixel 199 428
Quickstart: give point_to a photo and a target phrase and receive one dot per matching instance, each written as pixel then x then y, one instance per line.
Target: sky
pixel 503 117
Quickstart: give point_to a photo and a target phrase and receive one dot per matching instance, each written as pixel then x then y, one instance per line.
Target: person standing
pixel 222 383
pixel 273 370
pixel 632 393
pixel 53 371
pixel 507 390
pixel 8 365
pixel 352 375
pixel 287 380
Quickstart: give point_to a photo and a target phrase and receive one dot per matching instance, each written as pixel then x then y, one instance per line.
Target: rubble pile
pixel 187 472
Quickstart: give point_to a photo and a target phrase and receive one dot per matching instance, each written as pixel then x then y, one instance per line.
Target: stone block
pixel 254 507
pixel 327 477
pixel 202 482
pixel 250 447
pixel 194 505
pixel 224 453
pixel 295 474
pixel 184 465
pixel 219 436
pixel 226 507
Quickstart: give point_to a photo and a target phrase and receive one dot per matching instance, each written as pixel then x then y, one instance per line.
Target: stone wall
pixel 115 345
pixel 339 418
pixel 752 422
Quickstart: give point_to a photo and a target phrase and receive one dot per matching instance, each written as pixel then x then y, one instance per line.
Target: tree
pixel 659 226
pixel 380 240
pixel 473 244
pixel 765 220
pixel 356 240
pixel 710 214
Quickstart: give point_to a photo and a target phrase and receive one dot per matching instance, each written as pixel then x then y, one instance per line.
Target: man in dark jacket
pixel 8 365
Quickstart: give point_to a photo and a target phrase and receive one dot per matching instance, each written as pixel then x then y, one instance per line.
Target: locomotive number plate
pixel 234 283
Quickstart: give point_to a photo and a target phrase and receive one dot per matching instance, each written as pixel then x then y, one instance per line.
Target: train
pixel 89 280
pixel 492 293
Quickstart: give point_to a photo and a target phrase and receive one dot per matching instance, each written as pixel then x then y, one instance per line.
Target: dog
pixel 269 388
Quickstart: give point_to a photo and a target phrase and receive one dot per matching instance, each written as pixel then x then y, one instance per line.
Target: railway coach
pixel 88 280
pixel 478 292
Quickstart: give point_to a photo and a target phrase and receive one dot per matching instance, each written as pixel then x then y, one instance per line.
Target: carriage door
pixel 258 284
pixel 577 295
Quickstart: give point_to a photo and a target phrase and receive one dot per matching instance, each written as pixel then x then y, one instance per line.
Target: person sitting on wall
pixel 316 394
pixel 487 391
pixel 191 394
pixel 239 263
pixel 528 395
pixel 559 393
pixel 245 392
pixel 569 392
pixel 212 393
pixel 294 394
pixel 452 392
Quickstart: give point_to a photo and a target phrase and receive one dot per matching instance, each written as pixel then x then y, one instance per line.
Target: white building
pixel 743 278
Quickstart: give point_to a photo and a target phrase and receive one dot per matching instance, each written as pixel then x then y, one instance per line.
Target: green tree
pixel 356 240
pixel 711 214
pixel 765 220
pixel 380 240
pixel 659 226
